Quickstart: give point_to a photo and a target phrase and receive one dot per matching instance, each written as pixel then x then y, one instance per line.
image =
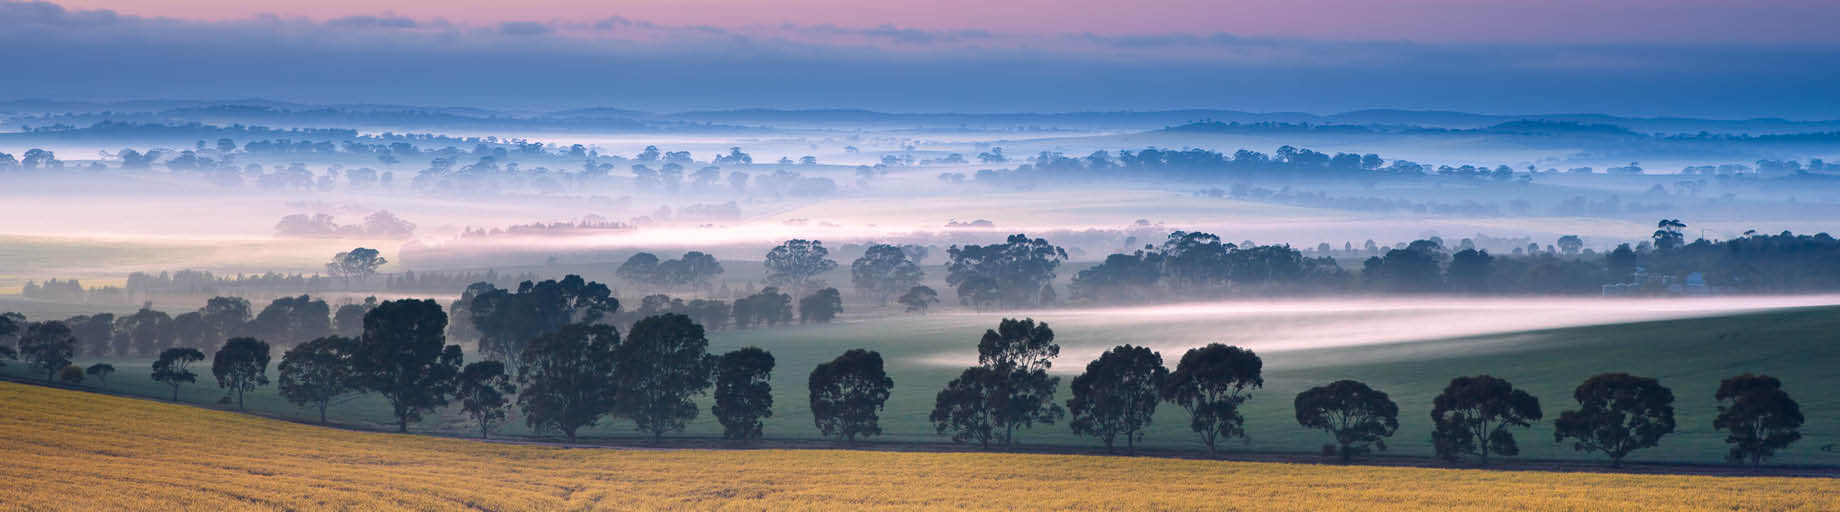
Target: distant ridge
pixel 613 117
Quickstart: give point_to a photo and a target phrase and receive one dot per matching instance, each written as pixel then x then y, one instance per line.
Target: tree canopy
pixel 919 298
pixel 568 379
pixel 883 271
pixel 360 263
pixel 241 365
pixel 662 365
pixel 1759 418
pixel 403 355
pixel 1014 273
pixel 484 392
pixel 1117 395
pixel 1355 414
pixel 1473 415
pixel 744 392
pixel 1618 413
pixel 1212 382
pixel 290 321
pixel 1009 389
pixel 821 306
pixel 795 263
pixel 47 347
pixel 508 320
pixel 847 394
pixel 173 368
pixel 317 372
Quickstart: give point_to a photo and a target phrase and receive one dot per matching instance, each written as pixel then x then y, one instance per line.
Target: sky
pixel 1703 58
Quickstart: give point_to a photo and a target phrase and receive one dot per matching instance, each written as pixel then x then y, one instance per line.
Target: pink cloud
pixel 1780 22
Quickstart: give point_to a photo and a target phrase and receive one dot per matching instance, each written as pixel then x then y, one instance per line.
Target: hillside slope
pixel 69 450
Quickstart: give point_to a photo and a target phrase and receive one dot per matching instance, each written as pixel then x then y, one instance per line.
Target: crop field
pixel 68 450
pixel 1689 355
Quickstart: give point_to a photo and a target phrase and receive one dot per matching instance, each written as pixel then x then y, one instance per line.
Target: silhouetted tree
pixel 101 372
pixel 360 263
pixel 10 324
pixel 847 394
pixel 145 332
pixel 663 364
pixel 821 307
pixel 1117 395
pixel 568 378
pixel 507 321
pixel 694 268
pixel 640 269
pixel 768 306
pixel 485 393
pixel 711 314
pixel 1356 415
pixel 1211 382
pixel 348 321
pixel 1121 278
pixel 793 264
pixel 241 365
pixel 1667 234
pixel 1618 413
pixel 1016 271
pixel 47 347
pixel 919 298
pixel 220 319
pixel 173 368
pixel 317 372
pixel 1019 353
pixel 1759 417
pixel 95 334
pixel 290 321
pixel 1621 262
pixel 1473 415
pixel 1570 244
pixel 1414 269
pixel 189 329
pixel 403 356
pixel 744 392
pixel 1470 271
pixel 966 408
pixel 882 271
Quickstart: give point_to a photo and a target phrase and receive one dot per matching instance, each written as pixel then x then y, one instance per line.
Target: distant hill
pixel 285 114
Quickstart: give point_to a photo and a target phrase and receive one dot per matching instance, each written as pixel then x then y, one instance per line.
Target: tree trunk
pixel 322 413
pixel 1345 455
pixel 1130 443
pixel 402 423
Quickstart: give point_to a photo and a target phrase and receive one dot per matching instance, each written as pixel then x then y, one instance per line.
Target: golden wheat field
pixel 66 450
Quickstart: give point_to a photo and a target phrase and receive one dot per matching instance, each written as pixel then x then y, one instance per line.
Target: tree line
pixel 581 374
pixel 1201 265
pixel 1116 397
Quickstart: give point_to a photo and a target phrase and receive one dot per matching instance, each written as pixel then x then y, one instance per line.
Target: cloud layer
pixel 61 53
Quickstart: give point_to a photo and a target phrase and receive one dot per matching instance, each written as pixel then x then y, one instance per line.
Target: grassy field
pixel 69 450
pixel 1688 355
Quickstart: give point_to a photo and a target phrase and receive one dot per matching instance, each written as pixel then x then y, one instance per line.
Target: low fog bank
pixel 1274 326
